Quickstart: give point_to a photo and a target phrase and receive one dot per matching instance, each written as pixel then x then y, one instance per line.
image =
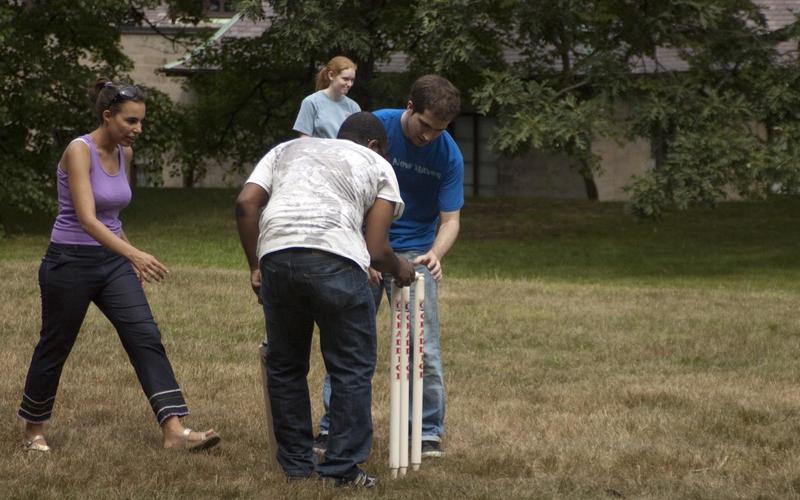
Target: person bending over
pixel 300 217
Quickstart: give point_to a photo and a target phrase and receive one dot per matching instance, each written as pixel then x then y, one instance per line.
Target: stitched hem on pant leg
pixel 168 403
pixel 36 409
pixel 179 414
pixel 30 420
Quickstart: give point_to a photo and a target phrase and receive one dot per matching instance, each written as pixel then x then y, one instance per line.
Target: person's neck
pixel 330 92
pixel 102 140
pixel 404 122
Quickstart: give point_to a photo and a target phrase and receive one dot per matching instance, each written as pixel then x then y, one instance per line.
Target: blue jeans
pixel 433 404
pixel 300 287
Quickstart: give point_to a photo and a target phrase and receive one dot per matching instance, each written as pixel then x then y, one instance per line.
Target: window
pixel 471 132
pixel 218 8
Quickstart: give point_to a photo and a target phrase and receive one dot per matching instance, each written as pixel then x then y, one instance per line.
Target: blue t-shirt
pixel 431 181
pixel 321 116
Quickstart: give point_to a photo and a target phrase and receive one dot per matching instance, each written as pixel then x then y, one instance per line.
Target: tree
pixel 581 63
pixel 581 69
pixel 729 122
pixel 250 98
pixel 50 52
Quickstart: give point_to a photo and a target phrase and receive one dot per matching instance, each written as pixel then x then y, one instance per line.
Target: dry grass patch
pixel 554 391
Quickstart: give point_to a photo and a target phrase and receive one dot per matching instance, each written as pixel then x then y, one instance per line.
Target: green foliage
pixel 250 100
pixel 240 110
pixel 561 123
pixel 557 74
pixel 311 32
pixel 159 137
pixel 50 52
pixel 573 83
pixel 456 37
pixel 728 122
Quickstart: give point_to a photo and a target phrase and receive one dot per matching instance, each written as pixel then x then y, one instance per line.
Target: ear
pixel 376 146
pixel 331 76
pixel 410 106
pixel 107 115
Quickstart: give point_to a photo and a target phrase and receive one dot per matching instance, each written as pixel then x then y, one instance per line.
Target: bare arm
pixel 249 204
pixel 129 164
pixel 383 258
pixel 449 226
pixel 76 163
pixel 128 174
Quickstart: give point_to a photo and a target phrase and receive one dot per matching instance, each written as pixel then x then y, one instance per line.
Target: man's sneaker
pixel 362 480
pixel 320 444
pixel 432 449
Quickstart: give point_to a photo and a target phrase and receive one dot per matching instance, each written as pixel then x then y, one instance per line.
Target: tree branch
pixel 569 89
pixel 241 106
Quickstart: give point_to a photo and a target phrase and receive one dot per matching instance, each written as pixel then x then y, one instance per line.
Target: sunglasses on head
pixel 124 93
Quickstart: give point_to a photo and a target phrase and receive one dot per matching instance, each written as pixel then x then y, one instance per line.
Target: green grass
pixel 751 244
pixel 179 226
pixel 586 356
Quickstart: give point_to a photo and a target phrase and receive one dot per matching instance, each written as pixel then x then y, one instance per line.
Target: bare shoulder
pixel 76 156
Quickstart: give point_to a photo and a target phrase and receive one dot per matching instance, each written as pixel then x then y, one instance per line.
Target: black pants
pixel 70 278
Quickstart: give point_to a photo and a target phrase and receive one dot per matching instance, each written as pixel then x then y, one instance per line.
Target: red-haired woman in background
pixel 322 113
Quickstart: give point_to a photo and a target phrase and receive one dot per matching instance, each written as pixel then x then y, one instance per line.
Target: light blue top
pixel 321 116
pixel 431 181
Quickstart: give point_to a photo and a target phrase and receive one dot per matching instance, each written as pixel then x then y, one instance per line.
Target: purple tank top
pixel 112 193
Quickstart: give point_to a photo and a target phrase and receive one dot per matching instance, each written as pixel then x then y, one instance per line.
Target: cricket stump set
pixel 407 344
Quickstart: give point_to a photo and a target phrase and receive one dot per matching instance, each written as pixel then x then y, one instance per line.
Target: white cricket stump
pixel 418 371
pixel 407 341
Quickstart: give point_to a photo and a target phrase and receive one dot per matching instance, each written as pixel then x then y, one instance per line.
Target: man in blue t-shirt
pixel 430 170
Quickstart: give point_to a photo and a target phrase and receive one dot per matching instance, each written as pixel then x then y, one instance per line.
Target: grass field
pixel 586 356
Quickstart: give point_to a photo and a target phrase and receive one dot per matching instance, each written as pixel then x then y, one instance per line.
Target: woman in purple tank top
pixel 90 260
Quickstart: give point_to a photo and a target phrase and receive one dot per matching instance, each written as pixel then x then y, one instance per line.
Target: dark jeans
pixel 70 278
pixel 301 287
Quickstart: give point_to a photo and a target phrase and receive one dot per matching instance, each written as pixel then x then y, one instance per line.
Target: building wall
pixel 620 162
pixel 150 52
pixel 539 175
